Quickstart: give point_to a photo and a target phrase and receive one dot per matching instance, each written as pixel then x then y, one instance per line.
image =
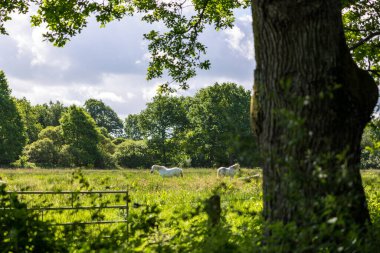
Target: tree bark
pixel 310 105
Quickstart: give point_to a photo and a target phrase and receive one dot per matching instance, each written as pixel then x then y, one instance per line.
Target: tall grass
pixel 173 203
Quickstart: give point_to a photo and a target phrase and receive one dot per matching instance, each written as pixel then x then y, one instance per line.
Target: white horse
pixel 230 171
pixel 167 172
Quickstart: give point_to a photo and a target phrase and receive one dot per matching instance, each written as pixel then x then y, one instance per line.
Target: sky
pixel 110 63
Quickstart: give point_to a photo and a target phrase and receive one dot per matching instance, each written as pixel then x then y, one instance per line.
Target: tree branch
pixel 364 40
pixel 375 72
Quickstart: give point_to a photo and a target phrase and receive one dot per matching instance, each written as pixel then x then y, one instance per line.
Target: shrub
pixel 133 154
pixel 54 133
pixel 42 152
pixel 370 158
pixel 22 231
pixel 66 158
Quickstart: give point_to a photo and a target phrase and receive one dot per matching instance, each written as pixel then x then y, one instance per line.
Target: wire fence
pixel 74 206
pixel 124 208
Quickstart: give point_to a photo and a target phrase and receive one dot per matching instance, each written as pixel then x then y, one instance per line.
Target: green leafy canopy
pixel 178 48
pixel 362 27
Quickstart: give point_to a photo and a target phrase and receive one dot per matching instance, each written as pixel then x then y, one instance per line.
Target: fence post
pixel 72 227
pixel 127 211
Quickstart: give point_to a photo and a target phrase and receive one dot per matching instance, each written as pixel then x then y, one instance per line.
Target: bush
pixel 370 158
pixel 42 152
pixel 370 144
pixel 54 133
pixel 22 231
pixel 66 158
pixel 105 160
pixel 133 154
pixel 23 162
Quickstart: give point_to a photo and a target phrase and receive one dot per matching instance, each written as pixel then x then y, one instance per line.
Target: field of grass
pixel 175 198
pixel 144 188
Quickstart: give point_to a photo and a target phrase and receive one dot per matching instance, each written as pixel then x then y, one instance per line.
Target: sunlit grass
pixel 180 201
pixel 144 188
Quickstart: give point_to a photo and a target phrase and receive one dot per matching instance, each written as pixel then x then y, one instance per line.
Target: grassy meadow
pixel 144 188
pixel 171 203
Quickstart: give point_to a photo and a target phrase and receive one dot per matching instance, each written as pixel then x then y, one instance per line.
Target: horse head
pixel 236 166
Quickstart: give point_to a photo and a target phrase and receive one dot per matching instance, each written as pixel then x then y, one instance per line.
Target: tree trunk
pixel 310 105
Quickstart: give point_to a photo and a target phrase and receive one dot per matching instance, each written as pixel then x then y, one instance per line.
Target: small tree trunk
pixel 310 105
pixel 163 146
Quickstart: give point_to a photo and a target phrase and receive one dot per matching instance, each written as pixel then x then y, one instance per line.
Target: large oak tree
pixel 311 101
pixel 309 109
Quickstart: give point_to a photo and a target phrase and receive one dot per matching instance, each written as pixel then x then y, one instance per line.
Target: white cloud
pixel 246 19
pixel 238 41
pixel 99 93
pixel 234 37
pixel 149 92
pixel 30 44
pixel 125 93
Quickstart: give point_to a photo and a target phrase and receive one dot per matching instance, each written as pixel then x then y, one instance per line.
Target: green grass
pixel 144 189
pixel 176 198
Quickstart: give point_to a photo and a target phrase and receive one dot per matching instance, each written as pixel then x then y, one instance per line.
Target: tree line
pixel 207 129
pixel 210 128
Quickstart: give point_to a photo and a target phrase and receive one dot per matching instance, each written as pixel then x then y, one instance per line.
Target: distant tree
pixel 132 129
pixel 12 130
pixel 82 136
pixel 66 157
pixel 43 115
pixel 29 118
pixel 53 133
pixel 133 154
pixel 220 128
pixel 104 116
pixel 106 149
pixel 77 142
pixel 162 123
pixel 42 152
pixel 370 145
pixel 56 110
pixel 49 114
pixel 48 149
